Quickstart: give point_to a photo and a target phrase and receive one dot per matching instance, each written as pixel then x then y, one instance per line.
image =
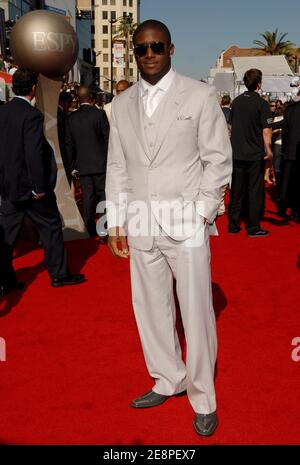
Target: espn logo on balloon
pixel 296 352
pixel 2 350
pixel 52 41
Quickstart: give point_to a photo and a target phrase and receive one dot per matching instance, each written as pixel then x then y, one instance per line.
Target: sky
pixel 201 30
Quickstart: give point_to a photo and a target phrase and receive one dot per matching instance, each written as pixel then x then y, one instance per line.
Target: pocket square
pixel 183 118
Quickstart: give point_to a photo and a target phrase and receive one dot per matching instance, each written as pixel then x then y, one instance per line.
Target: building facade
pixel 224 62
pixel 106 17
pixel 15 8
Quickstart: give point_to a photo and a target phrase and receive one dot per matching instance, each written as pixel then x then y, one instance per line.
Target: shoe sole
pixel 208 433
pixel 252 237
pixel 68 284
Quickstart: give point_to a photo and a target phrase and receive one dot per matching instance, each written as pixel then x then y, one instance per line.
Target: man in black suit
pixel 27 179
pixel 87 133
pixel 290 185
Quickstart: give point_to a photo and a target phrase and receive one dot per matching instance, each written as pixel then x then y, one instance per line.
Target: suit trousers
pixel 152 275
pixel 45 215
pixel 93 187
pixel 7 273
pixel 247 179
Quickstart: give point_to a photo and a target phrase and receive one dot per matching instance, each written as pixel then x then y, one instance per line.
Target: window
pixel 130 2
pixel 106 85
pixel 131 58
pixel 105 29
pixel 93 43
pixel 105 57
pixel 124 2
pixel 92 29
pixel 104 14
pixel 114 73
pixel 104 2
pixel 112 2
pixel 114 30
pixel 131 71
pixel 113 15
pixel 105 43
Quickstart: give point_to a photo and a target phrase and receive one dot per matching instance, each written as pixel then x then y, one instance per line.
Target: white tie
pixel 151 101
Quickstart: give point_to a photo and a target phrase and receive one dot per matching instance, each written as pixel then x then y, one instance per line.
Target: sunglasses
pixel 158 48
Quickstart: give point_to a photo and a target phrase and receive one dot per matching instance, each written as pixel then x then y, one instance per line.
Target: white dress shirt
pixel 23 98
pixel 153 95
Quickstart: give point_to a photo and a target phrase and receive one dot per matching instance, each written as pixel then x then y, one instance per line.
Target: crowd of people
pixel 8 65
pixel 164 142
pixel 259 126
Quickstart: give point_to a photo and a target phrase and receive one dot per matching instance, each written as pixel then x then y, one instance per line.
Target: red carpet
pixel 74 360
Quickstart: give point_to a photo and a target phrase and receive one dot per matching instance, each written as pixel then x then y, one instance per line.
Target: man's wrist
pixel 116 231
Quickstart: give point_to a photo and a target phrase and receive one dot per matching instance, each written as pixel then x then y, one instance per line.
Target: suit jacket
pixel 26 159
pixel 107 109
pixel 291 132
pixel 87 132
pixel 183 178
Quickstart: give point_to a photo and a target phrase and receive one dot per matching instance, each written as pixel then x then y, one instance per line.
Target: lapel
pixel 134 109
pixel 174 100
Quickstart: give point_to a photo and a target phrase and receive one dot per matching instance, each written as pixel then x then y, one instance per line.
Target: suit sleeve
pixel 116 178
pixel 33 150
pixel 69 146
pixel 216 157
pixel 104 127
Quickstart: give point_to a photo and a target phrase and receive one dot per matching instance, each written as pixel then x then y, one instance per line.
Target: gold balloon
pixel 44 42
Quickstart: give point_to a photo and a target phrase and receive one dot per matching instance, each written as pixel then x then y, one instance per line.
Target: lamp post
pixel 111 21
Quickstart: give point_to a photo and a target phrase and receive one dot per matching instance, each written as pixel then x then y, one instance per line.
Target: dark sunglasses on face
pixel 159 48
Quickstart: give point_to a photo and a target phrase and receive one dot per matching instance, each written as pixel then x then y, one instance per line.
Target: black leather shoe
pixel 232 230
pixel 9 287
pixel 259 233
pixel 150 399
pixel 69 280
pixel 205 424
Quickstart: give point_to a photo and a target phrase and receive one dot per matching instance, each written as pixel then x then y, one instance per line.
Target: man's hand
pixel 270 176
pixel 38 196
pixel 75 174
pixel 268 159
pixel 117 243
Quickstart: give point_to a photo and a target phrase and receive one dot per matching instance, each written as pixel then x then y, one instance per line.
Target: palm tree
pixel 274 45
pixel 125 30
pixel 295 59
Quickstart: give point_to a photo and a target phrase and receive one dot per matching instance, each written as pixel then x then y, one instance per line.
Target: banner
pixel 118 54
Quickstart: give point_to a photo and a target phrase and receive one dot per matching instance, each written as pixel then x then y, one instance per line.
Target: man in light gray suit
pixel 168 162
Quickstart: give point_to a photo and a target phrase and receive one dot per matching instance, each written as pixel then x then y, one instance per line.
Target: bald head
pixel 84 95
pixel 121 86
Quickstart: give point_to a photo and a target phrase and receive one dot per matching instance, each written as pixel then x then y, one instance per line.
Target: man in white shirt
pixel 169 158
